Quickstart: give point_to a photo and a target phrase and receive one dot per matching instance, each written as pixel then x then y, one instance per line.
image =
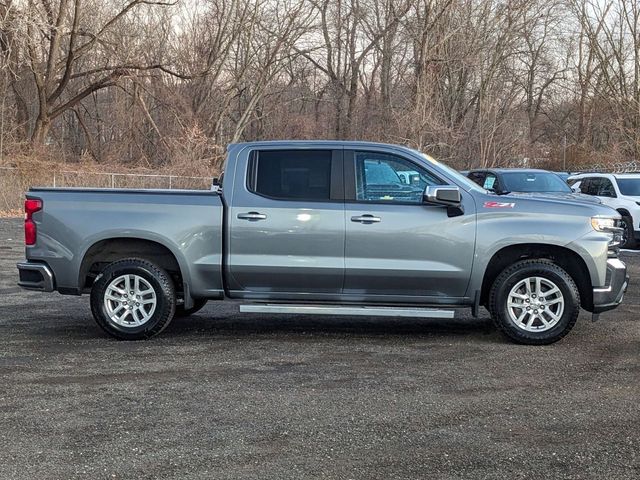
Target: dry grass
pixel 11 213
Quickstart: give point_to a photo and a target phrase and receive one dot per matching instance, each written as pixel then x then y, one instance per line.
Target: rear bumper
pixel 36 276
pixel 610 296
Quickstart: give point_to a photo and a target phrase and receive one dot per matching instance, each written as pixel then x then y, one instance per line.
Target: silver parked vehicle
pixel 326 227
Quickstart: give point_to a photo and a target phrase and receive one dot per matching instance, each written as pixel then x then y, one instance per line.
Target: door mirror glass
pixel 448 195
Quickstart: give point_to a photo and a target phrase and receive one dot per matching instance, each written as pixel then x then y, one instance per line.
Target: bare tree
pixel 72 54
pixel 477 82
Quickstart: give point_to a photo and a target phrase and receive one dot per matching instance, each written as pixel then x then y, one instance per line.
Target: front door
pixel 286 223
pixel 396 245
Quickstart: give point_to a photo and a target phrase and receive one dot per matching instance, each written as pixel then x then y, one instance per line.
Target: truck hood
pixel 573 196
pixel 543 205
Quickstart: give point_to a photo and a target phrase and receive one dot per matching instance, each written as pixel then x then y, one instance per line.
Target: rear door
pixel 286 223
pixel 397 246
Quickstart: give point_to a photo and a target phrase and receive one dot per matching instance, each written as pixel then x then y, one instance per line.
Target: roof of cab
pixel 322 143
pixel 627 175
pixel 604 175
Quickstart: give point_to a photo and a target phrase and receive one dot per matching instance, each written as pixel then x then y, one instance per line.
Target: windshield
pixel 469 184
pixel 534 182
pixel 629 186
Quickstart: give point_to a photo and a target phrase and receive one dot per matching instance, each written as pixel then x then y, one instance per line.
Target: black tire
pixel 165 299
pixel 629 240
pixel 198 304
pixel 514 274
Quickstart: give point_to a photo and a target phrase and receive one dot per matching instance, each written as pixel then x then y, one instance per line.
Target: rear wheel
pixel 133 299
pixel 534 302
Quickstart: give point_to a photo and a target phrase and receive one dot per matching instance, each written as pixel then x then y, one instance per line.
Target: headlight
pixel 608 225
pixel 603 224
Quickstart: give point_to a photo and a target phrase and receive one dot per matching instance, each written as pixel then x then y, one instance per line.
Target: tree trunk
pixel 41 130
pixel 22 112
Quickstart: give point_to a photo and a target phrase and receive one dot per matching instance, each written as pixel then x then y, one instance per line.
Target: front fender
pixel 499 230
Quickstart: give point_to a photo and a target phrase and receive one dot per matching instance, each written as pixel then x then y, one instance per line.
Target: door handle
pixel 252 216
pixel 366 219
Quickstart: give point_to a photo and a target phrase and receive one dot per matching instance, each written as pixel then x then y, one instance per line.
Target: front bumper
pixel 36 276
pixel 610 296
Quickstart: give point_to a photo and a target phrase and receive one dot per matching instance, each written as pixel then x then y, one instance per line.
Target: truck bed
pixel 73 221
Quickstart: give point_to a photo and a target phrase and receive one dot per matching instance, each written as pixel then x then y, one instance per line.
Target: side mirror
pixel 448 195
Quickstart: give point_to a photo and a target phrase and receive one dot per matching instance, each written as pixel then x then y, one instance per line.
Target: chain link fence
pixel 14 182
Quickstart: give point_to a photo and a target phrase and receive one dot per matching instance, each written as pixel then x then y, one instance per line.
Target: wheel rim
pixel 535 304
pixel 130 300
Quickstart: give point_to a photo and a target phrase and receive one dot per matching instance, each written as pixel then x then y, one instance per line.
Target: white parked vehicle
pixel 620 191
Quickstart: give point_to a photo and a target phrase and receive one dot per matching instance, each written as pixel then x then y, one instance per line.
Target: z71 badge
pixel 499 204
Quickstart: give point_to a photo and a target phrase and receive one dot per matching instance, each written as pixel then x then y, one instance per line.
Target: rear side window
pixel 291 174
pixel 585 186
pixel 590 186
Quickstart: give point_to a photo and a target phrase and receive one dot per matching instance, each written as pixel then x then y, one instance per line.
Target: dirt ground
pixel 228 396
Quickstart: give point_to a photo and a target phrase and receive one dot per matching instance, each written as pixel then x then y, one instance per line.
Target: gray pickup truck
pixel 326 227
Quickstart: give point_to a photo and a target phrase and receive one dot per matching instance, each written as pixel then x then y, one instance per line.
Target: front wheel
pixel 133 299
pixel 628 234
pixel 534 302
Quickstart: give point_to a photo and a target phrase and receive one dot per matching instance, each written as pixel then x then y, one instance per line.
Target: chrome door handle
pixel 252 216
pixel 366 219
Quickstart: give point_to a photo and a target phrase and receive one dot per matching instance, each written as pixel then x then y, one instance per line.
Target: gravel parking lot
pixel 226 396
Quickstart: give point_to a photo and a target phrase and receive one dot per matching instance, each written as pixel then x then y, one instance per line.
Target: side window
pixel 606 188
pixel 576 185
pixel 291 174
pixel 478 177
pixel 382 177
pixel 585 186
pixel 594 186
pixel 490 182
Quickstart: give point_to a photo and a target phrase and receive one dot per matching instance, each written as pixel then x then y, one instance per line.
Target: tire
pixel 120 314
pixel 198 304
pixel 553 318
pixel 629 240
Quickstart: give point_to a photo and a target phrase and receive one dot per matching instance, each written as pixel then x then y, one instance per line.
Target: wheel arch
pixel 107 250
pixel 567 259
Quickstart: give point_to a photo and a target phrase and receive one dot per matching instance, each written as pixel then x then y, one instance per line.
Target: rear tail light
pixel 31 206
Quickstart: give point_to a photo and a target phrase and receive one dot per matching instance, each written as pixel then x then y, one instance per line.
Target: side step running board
pixel 368 311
